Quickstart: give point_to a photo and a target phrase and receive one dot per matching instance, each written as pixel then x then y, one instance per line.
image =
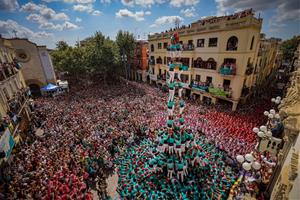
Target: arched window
pixel 232 44
pixel 198 62
pixel 152 47
pixel 159 60
pixel 252 41
pixel 211 64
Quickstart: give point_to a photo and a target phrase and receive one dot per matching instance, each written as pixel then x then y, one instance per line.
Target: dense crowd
pixel 85 129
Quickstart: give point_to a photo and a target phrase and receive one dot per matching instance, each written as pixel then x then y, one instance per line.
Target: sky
pixel 47 21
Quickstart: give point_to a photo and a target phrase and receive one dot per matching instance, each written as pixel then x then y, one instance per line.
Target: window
pixel 184 78
pixel 198 78
pixel 168 60
pixel 152 60
pixel 152 47
pixel 252 41
pixel 208 79
pixel 232 44
pixel 226 83
pixel 165 45
pixel 159 60
pixel 200 43
pixel 159 45
pixel 6 93
pixel 213 42
pixel 211 64
pixel 165 60
pixel 185 61
pixel 159 72
pixel 198 63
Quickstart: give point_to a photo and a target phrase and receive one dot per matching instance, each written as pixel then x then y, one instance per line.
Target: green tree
pixel 126 44
pixel 288 47
pixel 61 45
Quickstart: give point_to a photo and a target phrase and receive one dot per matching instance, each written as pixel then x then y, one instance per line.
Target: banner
pixel 7 143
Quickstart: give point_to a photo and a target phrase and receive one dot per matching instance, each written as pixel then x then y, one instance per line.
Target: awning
pixel 49 87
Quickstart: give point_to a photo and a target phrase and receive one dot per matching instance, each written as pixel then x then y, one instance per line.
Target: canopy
pixel 49 87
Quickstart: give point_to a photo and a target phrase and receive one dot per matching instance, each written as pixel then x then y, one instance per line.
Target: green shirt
pixel 171 86
pixel 170 104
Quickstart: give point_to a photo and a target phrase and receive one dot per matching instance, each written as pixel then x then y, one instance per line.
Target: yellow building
pixel 268 58
pixel 220 52
pixel 37 67
pixel 14 94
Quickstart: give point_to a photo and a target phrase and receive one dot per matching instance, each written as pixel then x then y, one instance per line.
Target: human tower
pixel 176 144
pixel 179 164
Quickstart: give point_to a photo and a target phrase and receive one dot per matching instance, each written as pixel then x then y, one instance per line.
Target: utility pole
pixel 15 32
pixel 177 22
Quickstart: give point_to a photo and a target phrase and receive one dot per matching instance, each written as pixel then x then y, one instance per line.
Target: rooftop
pixel 209 24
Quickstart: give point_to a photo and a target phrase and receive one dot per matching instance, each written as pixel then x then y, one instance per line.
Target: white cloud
pixel 189 12
pixel 166 20
pixel 9 5
pixel 72 1
pixel 147 13
pixel 9 26
pixel 78 19
pixel 180 3
pixel 105 1
pixel 284 10
pixel 36 18
pixel 87 8
pixel 138 16
pixel 96 13
pixel 144 3
pixel 47 13
pixel 65 26
pixel 83 8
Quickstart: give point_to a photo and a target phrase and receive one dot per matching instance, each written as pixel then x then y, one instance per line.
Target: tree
pixel 99 58
pixel 288 47
pixel 126 44
pixel 61 45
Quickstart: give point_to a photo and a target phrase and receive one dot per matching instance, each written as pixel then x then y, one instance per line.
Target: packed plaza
pixel 172 127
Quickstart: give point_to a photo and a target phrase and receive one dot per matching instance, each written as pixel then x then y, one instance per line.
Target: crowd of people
pixel 85 129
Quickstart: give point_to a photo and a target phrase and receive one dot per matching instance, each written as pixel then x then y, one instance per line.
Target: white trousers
pixel 180 175
pixel 159 169
pixel 170 173
pixel 180 92
pixel 178 151
pixel 183 148
pixel 170 112
pixel 185 171
pixel 179 75
pixel 171 95
pixel 181 109
pixel 172 74
pixel 171 149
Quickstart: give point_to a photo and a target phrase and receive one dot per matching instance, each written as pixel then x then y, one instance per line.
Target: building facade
pixel 139 64
pixel 14 99
pixel 37 67
pixel 286 181
pixel 220 53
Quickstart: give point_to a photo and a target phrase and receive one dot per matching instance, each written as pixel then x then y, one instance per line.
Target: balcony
pixel 249 69
pixel 18 100
pixel 200 86
pixel 228 70
pixel 153 77
pixel 220 92
pixel 162 77
pixel 8 70
pixel 209 64
pixel 151 62
pixel 188 47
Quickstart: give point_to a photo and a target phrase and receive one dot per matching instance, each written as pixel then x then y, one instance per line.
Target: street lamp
pixel 124 60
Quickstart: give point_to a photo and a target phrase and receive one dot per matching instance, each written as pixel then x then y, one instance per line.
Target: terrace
pixel 240 19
